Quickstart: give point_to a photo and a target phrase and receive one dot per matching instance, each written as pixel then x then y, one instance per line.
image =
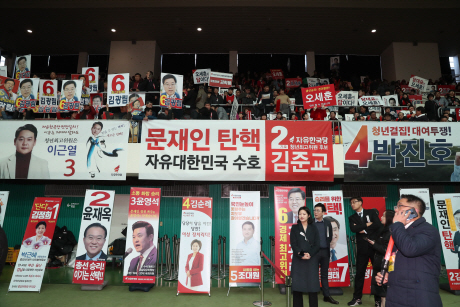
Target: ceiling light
pixel 374 30
pixel 198 29
pixel 30 31
pixel 113 30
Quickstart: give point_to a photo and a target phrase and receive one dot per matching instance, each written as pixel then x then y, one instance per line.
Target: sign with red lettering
pixel 118 90
pixel 418 83
pixel 318 96
pixel 277 73
pixel 371 101
pixel 415 99
pixel 220 79
pixel 293 82
pixel 444 89
pixel 93 77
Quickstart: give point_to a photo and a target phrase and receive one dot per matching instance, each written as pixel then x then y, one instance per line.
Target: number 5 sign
pixel 93 73
pixel 118 90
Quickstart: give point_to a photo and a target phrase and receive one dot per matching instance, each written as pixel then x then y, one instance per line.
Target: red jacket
pixel 195 271
pixel 319 114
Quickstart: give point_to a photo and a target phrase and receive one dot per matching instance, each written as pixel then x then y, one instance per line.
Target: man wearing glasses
pixel 415 263
pixel 296 199
pixel 94 239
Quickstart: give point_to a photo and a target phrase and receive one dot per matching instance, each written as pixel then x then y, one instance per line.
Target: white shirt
pixel 250 252
pixel 190 263
pixel 95 258
pixel 145 255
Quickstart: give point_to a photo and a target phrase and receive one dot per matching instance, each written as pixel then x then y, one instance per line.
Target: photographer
pixel 415 263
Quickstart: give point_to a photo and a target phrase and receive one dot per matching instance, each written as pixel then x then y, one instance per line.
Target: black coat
pixel 328 232
pixel 357 224
pixel 190 99
pixel 380 247
pixel 304 273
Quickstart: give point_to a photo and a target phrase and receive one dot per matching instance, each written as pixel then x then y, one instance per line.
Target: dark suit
pixel 324 256
pixel 365 251
pixel 102 257
pixel 148 268
pixel 457 246
pixel 290 219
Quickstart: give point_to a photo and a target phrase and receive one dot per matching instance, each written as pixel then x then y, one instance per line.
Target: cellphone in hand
pixel 412 214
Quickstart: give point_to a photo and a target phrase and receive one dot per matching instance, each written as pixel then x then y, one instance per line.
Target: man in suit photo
pixel 144 264
pixel 23 164
pixel 337 250
pixel 457 236
pixel 325 237
pixel 365 224
pixel 94 239
pixel 296 198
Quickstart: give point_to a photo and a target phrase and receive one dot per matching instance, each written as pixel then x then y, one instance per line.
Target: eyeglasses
pixel 399 206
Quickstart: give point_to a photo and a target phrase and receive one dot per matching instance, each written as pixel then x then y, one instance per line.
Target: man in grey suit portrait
pixel 23 164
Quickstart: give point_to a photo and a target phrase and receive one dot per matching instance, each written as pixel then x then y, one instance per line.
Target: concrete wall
pixel 126 57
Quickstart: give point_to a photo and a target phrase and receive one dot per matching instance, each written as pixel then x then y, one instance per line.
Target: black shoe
pixel 329 299
pixel 355 302
pixel 378 303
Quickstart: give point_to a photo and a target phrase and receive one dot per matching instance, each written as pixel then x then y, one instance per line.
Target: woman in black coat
pixel 380 247
pixel 304 271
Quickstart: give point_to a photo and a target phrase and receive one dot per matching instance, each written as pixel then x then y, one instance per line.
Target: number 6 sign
pixel 93 73
pixel 118 90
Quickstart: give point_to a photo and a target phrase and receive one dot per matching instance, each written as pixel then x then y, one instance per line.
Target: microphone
pixel 386 260
pixel 128 251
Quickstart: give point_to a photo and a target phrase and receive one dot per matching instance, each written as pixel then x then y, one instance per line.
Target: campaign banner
pixel 338 273
pixel 3 71
pixel 171 89
pixel 70 95
pixel 28 93
pixel 201 76
pixel 96 100
pixel 3 203
pixel 415 99
pixel 277 74
pixel 324 81
pixel 386 151
pixel 457 113
pixel 85 90
pixel 423 194
pixel 370 101
pixel 418 83
pixel 142 236
pixel 48 98
pixel 293 82
pixel 70 150
pixel 448 215
pixel 444 89
pixel 33 255
pixel 195 245
pixel 220 79
pixel 93 78
pixel 431 88
pixel 22 67
pixel 8 93
pixel 335 63
pixel 248 150
pixel 390 100
pixel 244 238
pixel 288 201
pixel 312 82
pixel 347 98
pixel 136 103
pixel 318 96
pixel 117 90
pixel 92 240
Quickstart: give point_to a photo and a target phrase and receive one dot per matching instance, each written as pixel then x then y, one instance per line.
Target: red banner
pixel 277 73
pixel 298 151
pixel 444 89
pixel 319 96
pixel 415 99
pixel 219 79
pixel 245 274
pixel 457 113
pixel 293 82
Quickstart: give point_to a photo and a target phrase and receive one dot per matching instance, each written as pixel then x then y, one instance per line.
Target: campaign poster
pixel 171 89
pixel 64 150
pixel 244 238
pixel 28 93
pixel 93 78
pixel 92 240
pixel 277 74
pixel 96 100
pixel 387 151
pixel 33 255
pixel 195 245
pixel 48 98
pixel 3 203
pixel 220 79
pixel 70 95
pixel 3 71
pixel 201 76
pixel 312 82
pixel 85 90
pixel 423 194
pixel 318 96
pixel 8 93
pixel 390 100
pixel 416 99
pixel 288 201
pixel 370 101
pixel 347 98
pixel 324 81
pixel 444 89
pixel 142 236
pixel 338 273
pixel 136 103
pixel 448 216
pixel 22 66
pixel 431 88
pixel 335 62
pixel 117 90
pixel 418 83
pixel 293 82
pixel 406 88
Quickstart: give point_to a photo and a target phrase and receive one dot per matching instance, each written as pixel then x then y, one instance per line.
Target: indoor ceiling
pixel 250 26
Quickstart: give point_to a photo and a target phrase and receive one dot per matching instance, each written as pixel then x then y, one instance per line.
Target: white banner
pixel 418 83
pixel 48 102
pixel 93 74
pixel 83 149
pixel 117 90
pixel 390 100
pixel 244 238
pixel 448 215
pixel 195 245
pixel 22 67
pixel 370 101
pixel 347 98
pixel 201 76
pixel 3 203
pixel 423 194
pixel 220 79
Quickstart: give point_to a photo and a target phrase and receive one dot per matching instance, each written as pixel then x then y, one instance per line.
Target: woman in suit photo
pixel 194 266
pixel 305 247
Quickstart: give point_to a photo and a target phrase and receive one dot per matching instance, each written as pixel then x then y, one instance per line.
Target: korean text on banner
pixel 85 150
pixel 418 83
pixel 370 101
pixel 444 89
pixel 347 98
pixel 171 89
pixel 48 101
pixel 288 200
pixel 220 79
pixel 3 203
pixel 201 76
pixel 423 194
pixel 244 238
pixel 92 240
pixel 448 215
pixel 394 152
pixel 33 255
pixel 22 66
pixel 318 96
pixel 277 74
pixel 142 236
pixel 93 74
pixel 118 90
pixel 293 82
pixel 195 245
pixel 338 274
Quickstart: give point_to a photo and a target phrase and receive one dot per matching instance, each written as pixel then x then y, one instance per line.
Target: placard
pixel 312 82
pixel 93 77
pixel 22 67
pixel 293 82
pixel 93 238
pixel 444 89
pixel 195 245
pixel 318 96
pixel 347 98
pixel 418 83
pixel 220 79
pixel 423 194
pixel 171 90
pixel 8 93
pixel 27 93
pixel 370 101
pixel 3 203
pixel 277 74
pixel 390 100
pixel 70 95
pixel 35 247
pixel 201 76
pixel 48 99
pixel 244 238
pixel 3 71
pixel 117 90
pixel 142 236
pixel 85 90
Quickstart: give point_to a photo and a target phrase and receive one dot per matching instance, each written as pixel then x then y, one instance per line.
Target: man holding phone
pixel 415 263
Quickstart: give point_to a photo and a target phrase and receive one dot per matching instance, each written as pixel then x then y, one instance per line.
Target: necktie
pixel 361 216
pixel 333 256
pixel 139 264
